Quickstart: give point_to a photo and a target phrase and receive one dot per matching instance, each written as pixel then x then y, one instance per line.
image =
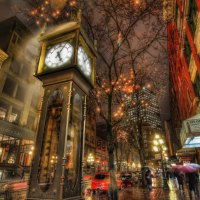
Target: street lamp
pixel 90 160
pixel 161 148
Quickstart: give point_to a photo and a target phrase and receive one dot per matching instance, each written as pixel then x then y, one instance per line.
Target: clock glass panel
pixel 58 55
pixel 84 61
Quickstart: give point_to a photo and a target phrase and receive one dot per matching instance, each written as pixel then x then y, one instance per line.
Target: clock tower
pixel 67 70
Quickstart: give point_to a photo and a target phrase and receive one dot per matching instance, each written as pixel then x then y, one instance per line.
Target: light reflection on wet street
pixel 157 193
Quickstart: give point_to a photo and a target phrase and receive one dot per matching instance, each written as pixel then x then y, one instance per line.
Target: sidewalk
pixel 157 193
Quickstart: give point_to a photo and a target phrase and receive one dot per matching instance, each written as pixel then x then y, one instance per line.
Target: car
pixel 101 181
pixel 127 179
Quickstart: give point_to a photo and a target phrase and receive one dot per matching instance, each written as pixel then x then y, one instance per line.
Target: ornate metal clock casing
pixel 66 68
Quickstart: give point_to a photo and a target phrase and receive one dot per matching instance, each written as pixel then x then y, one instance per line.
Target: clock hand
pixel 58 55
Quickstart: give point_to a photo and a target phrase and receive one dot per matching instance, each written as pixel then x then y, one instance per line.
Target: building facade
pixel 145 110
pixel 184 63
pixel 20 94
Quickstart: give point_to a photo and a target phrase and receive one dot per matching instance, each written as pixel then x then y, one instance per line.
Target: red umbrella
pixel 184 168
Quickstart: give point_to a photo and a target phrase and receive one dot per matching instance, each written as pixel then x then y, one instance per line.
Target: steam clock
pixel 66 69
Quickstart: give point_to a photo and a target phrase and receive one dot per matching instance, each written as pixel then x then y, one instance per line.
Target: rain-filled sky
pixel 9 8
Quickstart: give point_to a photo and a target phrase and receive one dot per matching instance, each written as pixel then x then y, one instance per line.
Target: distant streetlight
pixel 161 148
pixel 90 160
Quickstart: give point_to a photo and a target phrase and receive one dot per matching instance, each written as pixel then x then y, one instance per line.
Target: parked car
pixel 127 179
pixel 101 181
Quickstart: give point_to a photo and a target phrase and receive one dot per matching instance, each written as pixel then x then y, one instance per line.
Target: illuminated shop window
pixel 9 148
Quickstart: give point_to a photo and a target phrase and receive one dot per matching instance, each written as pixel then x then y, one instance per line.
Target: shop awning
pixel 190 132
pixel 16 131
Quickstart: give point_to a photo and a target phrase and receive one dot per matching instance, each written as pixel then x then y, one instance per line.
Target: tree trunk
pixel 141 153
pixel 142 162
pixel 113 190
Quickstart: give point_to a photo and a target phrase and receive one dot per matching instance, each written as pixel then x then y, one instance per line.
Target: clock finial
pixel 44 27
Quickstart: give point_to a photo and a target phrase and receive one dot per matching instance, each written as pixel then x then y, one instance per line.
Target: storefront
pixel 190 132
pixel 190 140
pixel 16 150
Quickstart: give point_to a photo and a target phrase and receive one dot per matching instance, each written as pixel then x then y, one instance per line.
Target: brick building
pixel 184 62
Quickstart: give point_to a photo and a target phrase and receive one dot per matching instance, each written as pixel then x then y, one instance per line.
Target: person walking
pixel 180 178
pixel 148 178
pixel 193 181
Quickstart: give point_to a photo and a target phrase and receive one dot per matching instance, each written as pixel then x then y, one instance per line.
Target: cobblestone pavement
pixel 157 193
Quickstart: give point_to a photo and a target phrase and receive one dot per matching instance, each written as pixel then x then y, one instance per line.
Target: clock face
pixel 58 55
pixel 84 62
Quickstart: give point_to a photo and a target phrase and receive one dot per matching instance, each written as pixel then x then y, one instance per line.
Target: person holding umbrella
pixel 193 181
pixel 192 176
pixel 180 179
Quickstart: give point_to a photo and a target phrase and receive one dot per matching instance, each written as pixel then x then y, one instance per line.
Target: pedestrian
pixel 148 178
pixel 193 181
pixel 167 174
pixel 180 179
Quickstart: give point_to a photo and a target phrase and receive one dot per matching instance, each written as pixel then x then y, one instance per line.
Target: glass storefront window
pixel 8 149
pixel 11 148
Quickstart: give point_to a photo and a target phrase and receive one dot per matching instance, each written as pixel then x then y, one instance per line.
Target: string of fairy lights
pixel 125 86
pixel 50 11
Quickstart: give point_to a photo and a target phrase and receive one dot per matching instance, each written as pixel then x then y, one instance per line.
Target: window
pixel 9 87
pixel 14 116
pixel 187 50
pixel 197 85
pixel 20 94
pixel 178 20
pixel 30 122
pixel 14 38
pixel 15 67
pixel 2 113
pixel 192 14
pixel 34 100
pixel 3 110
pixel 25 72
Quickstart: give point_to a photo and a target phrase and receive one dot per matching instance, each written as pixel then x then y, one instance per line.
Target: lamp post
pixel 90 160
pixel 160 147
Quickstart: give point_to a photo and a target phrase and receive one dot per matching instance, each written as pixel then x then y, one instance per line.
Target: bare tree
pixel 130 35
pixel 129 38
